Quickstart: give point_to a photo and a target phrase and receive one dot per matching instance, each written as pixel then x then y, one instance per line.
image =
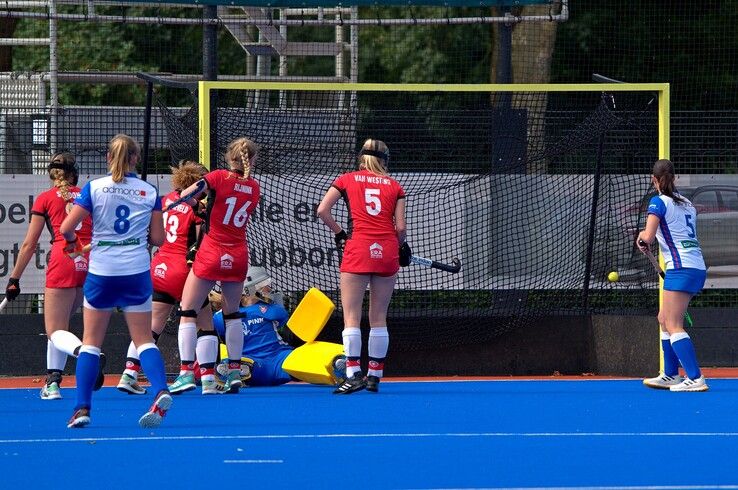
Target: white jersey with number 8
pixel 121 215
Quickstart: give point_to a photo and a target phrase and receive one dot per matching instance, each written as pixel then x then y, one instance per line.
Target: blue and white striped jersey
pixel 121 215
pixel 677 233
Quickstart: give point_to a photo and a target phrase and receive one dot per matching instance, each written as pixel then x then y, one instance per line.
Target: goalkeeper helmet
pixel 258 283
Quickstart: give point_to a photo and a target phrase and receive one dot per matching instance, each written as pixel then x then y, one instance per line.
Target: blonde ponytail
pixel 121 152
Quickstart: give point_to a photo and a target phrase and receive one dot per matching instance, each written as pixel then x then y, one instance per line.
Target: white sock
pixel 66 342
pixel 132 351
pixel 378 345
pixel 234 338
pixel 207 352
pixel 55 359
pixel 352 349
pixel 188 341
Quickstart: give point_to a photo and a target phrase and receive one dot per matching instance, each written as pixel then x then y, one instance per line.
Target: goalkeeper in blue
pixel 264 348
pixel 672 221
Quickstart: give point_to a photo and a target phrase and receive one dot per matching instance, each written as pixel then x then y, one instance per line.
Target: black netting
pixel 505 182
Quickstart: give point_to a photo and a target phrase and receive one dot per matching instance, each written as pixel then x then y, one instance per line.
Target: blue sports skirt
pixel 111 291
pixel 685 280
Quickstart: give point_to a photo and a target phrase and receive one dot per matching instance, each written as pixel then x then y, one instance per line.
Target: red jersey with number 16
pixel 231 200
pixel 371 200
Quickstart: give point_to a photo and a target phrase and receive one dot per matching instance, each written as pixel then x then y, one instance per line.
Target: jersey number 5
pixel 239 219
pixel 373 204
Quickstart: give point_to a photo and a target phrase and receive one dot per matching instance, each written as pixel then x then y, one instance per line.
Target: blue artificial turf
pixel 475 434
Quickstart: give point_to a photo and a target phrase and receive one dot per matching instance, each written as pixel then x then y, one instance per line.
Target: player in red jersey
pixel 222 257
pixel 64 275
pixel 372 256
pixel 169 269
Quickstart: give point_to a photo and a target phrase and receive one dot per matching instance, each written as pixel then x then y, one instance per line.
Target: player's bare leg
pixel 353 287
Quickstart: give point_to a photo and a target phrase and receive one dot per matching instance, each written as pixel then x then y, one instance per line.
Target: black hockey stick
pixel 454 268
pixel 200 186
pixel 662 274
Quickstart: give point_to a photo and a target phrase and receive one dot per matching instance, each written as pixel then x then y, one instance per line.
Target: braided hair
pixel 240 154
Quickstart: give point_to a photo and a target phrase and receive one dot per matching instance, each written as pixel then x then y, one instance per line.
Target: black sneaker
pixel 100 372
pixel 372 384
pixel 350 385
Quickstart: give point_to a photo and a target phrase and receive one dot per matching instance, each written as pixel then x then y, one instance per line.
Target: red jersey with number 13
pixel 178 223
pixel 234 199
pixel 371 200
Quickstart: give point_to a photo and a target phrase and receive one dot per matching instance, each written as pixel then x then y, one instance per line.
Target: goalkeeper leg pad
pixel 313 362
pixel 311 315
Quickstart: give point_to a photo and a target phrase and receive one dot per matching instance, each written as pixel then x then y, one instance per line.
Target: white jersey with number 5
pixel 677 233
pixel 121 215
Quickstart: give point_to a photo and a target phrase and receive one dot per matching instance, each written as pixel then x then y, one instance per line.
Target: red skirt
pixel 64 271
pixel 371 256
pixel 221 262
pixel 168 274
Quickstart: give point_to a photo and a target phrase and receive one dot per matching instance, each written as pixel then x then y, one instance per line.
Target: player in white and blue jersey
pixel 126 217
pixel 672 220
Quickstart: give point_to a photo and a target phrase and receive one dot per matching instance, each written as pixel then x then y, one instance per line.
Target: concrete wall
pixel 602 345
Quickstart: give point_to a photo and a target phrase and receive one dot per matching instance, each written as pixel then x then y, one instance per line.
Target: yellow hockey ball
pixel 613 277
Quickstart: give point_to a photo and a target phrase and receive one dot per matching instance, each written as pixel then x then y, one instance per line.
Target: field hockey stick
pixel 433 264
pixel 662 274
pixel 200 186
pixel 3 304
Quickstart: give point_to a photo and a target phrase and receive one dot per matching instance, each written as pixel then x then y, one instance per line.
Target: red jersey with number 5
pixel 179 224
pixel 231 200
pixel 371 201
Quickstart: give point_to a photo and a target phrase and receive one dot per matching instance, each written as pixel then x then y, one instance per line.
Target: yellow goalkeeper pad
pixel 311 315
pixel 313 362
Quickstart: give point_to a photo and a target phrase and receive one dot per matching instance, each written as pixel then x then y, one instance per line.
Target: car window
pixel 706 202
pixel 730 199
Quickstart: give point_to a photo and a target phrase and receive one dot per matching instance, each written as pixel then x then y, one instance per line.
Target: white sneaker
pixel 51 391
pixel 691 385
pixel 129 384
pixel 210 387
pixel 663 381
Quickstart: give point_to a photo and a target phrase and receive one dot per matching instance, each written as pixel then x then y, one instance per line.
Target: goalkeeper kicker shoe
pixel 350 385
pixel 691 385
pixel 183 383
pixel 158 410
pixel 129 384
pixel 663 381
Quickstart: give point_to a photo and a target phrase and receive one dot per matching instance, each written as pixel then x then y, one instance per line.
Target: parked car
pixel 717 231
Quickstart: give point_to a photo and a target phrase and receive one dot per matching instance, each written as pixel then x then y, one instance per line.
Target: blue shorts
pixel 269 372
pixel 103 292
pixel 685 280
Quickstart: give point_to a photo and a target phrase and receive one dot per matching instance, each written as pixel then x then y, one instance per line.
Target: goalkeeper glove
pixel 405 254
pixel 13 289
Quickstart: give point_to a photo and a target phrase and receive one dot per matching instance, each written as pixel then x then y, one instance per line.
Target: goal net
pixel 536 189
